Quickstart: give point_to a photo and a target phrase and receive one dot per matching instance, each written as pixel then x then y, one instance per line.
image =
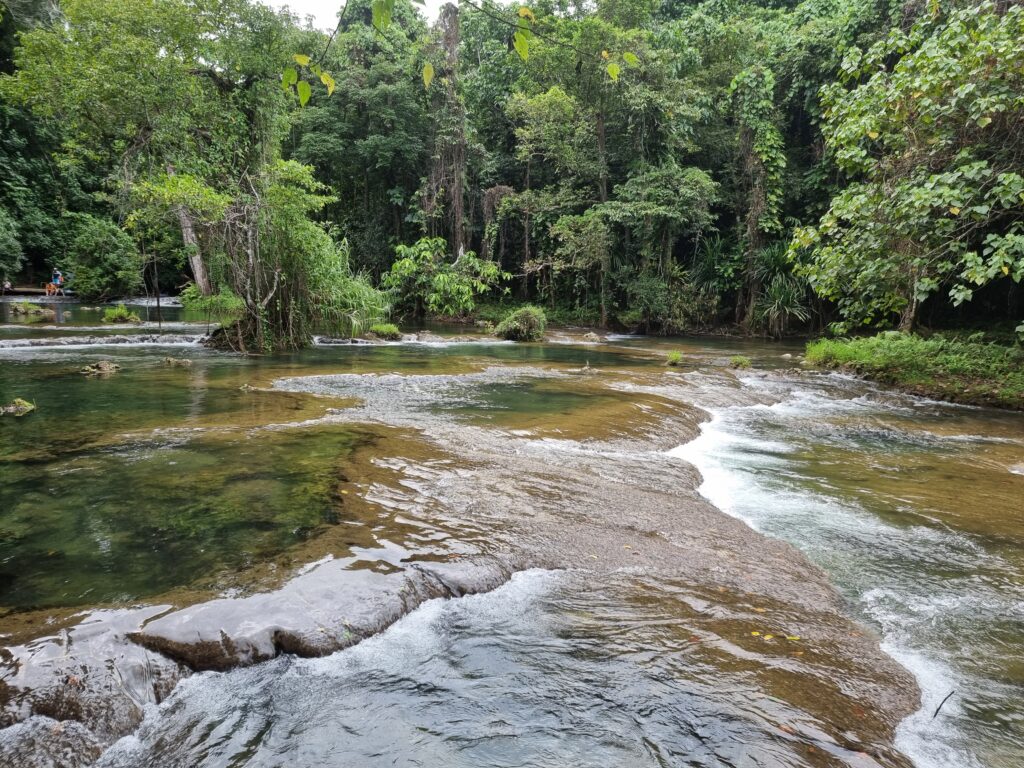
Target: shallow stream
pixel 169 484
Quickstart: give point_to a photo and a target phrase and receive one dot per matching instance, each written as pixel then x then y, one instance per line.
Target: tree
pixel 762 161
pixel 929 126
pixel 101 259
pixel 198 135
pixel 10 246
pixel 425 279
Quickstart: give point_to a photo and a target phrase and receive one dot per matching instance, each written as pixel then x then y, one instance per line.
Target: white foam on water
pixel 208 710
pixel 743 455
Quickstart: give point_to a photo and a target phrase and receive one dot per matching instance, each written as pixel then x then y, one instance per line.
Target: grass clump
pixel 960 370
pixel 386 331
pixel 524 324
pixel 674 358
pixel 740 361
pixel 120 314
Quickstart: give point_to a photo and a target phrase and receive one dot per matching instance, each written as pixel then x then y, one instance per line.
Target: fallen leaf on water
pixel 769 637
pixel 756 634
pixel 761 610
pixel 792 637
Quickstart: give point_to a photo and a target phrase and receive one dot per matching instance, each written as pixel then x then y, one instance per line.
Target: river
pixel 496 554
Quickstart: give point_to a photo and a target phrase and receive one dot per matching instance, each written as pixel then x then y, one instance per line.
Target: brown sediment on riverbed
pixel 460 507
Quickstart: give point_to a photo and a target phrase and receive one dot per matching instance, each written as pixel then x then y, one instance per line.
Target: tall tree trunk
pixel 908 318
pixel 602 179
pixel 195 254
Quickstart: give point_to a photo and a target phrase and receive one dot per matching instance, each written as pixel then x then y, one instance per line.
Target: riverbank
pixel 959 371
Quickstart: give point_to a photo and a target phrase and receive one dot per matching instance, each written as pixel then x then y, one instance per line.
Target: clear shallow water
pixel 123 488
pixel 916 511
pixel 551 669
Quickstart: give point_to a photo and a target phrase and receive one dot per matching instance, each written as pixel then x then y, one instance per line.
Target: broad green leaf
pixel 428 74
pixel 289 77
pixel 520 42
pixel 984 120
pixel 630 58
pixel 301 59
pixel 613 71
pixel 381 11
pixel 304 92
pixel 327 80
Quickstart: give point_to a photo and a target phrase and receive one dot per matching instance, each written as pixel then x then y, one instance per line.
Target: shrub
pixel 386 331
pixel 224 305
pixel 782 301
pixel 674 357
pixel 426 280
pixel 740 361
pixel 524 324
pixel 120 314
pixel 101 258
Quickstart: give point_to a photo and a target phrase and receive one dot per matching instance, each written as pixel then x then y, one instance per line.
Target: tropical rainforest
pixel 661 165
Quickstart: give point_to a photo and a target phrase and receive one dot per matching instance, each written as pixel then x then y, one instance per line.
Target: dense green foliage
pixel 425 279
pixel 934 146
pixel 101 260
pixel 662 166
pixel 10 246
pixel 222 305
pixel 524 324
pixel 965 370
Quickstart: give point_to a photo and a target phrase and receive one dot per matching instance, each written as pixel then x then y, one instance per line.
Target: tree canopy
pixel 666 165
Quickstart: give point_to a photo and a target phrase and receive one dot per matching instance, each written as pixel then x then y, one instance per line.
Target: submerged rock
pixel 141 339
pixel 17 407
pixel 42 742
pixel 178 362
pixel 592 337
pixel 333 341
pixel 33 311
pixel 319 612
pixel 101 368
pixel 67 695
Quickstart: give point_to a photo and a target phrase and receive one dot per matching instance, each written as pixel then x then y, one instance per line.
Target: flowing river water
pixel 475 553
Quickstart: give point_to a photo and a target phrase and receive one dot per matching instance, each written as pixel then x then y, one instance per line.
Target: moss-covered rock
pixel 17 407
pixel 524 324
